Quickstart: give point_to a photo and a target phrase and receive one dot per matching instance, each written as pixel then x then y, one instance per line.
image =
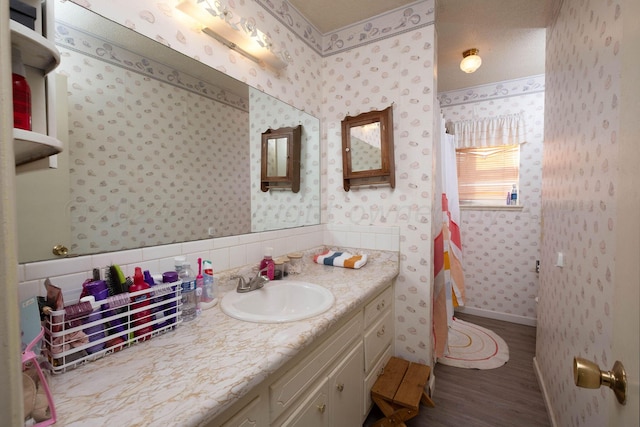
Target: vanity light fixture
pixel 471 61
pixel 235 32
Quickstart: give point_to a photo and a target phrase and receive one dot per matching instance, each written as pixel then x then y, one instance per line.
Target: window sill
pixel 517 208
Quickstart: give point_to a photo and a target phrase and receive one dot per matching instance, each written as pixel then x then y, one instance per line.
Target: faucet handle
pixel 242 284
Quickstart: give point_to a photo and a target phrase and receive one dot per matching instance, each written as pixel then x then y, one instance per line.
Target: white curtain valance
pixel 503 130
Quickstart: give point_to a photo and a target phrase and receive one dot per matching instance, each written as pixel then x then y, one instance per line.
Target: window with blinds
pixel 486 175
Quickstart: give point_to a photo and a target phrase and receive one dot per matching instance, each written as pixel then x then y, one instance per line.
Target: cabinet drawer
pixel 376 371
pixel 288 388
pixel 379 305
pixel 377 338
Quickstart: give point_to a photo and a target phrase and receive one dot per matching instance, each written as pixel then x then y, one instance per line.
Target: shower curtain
pixel 449 277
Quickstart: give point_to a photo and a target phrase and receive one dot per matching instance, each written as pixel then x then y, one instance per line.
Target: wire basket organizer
pixel 87 331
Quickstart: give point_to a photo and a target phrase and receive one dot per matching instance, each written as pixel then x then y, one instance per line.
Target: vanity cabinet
pixel 328 384
pixel 40 56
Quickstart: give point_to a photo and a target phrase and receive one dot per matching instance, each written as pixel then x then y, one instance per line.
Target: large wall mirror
pixel 367 149
pixel 160 149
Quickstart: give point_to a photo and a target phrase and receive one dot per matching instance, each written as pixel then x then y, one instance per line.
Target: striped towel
pixel 340 259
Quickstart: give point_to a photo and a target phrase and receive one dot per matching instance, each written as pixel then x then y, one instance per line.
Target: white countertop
pixel 189 376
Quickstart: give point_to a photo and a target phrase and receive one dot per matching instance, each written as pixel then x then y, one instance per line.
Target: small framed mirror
pixel 367 149
pixel 280 168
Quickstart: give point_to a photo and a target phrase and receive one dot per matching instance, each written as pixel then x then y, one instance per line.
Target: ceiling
pixel 510 34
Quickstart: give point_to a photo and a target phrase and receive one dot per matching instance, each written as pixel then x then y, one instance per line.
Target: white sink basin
pixel 278 302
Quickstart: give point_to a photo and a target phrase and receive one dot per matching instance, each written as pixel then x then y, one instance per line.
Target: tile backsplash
pixel 226 253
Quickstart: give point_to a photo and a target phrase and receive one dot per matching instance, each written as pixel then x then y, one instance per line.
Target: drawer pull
pixel 380 332
pixel 380 305
pixel 321 408
pixel 340 387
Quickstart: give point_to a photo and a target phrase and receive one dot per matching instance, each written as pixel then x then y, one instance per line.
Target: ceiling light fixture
pixel 236 33
pixel 470 60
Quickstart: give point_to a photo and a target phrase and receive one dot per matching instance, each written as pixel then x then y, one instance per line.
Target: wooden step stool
pixel 399 391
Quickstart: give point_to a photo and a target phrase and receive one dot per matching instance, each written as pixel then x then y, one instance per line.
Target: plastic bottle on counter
pixel 177 263
pixel 171 306
pixel 189 297
pixel 210 290
pixel 268 264
pixel 156 307
pixel 139 301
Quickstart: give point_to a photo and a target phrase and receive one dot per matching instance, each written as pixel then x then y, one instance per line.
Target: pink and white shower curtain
pixel 448 273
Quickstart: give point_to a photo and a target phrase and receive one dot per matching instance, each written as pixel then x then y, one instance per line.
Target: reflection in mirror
pixel 277 156
pixel 367 149
pixel 276 209
pixel 159 146
pixel 281 159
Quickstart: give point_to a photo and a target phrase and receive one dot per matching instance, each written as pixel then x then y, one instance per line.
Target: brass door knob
pixel 587 374
pixel 60 250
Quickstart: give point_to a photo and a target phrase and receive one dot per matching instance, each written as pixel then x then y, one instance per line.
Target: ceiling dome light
pixel 470 60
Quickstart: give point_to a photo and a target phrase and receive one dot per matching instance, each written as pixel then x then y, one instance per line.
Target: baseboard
pixel 513 318
pixel 545 394
pixel 431 384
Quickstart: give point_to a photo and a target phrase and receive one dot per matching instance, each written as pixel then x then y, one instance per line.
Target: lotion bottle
pixel 139 301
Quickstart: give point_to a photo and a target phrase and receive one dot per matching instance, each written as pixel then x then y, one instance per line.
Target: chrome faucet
pixel 258 281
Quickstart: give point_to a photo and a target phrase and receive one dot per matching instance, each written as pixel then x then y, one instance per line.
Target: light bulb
pixel 470 61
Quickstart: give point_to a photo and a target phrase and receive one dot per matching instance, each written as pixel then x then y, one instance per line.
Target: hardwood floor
pixel 508 396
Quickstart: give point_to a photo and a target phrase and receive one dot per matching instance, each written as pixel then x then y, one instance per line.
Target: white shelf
pixel 41 54
pixel 37 51
pixel 30 146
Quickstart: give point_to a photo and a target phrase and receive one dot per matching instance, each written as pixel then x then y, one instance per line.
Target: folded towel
pixel 341 259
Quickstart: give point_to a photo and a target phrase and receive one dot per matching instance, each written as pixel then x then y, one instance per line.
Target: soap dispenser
pixel 267 264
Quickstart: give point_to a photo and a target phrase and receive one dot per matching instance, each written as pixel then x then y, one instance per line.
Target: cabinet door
pixel 313 411
pixel 252 415
pixel 345 385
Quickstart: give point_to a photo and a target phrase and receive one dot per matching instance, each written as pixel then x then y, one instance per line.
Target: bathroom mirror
pixel 281 159
pixel 161 149
pixel 367 149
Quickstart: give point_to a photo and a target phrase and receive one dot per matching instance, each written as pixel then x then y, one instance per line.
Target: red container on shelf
pixel 21 92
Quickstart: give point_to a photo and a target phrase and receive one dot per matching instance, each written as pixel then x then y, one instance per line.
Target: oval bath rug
pixel 474 347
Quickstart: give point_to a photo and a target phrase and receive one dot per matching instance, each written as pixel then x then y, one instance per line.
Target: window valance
pixel 502 130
